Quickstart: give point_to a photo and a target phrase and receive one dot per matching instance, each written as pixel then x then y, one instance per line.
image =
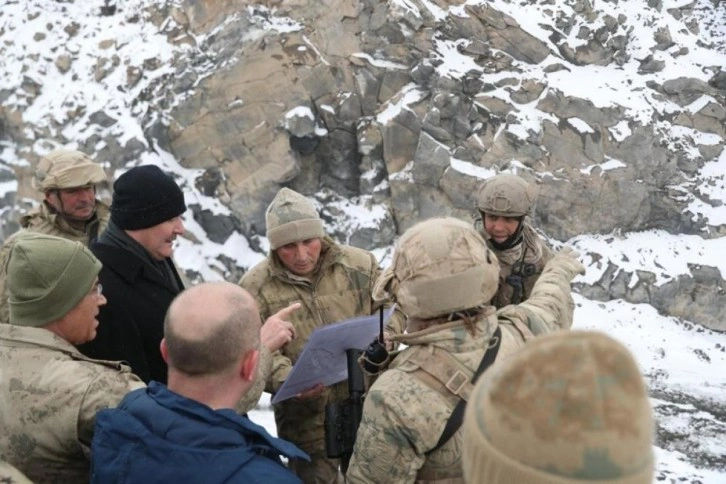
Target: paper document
pixel 323 358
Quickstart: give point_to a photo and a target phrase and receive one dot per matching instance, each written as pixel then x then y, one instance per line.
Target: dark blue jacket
pixel 158 436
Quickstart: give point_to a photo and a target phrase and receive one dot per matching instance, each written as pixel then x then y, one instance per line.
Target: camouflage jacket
pixel 526 260
pixel 341 288
pixel 10 475
pixel 250 399
pixel 405 412
pixel 51 394
pixel 43 221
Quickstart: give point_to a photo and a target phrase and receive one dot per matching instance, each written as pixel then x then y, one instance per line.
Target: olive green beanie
pixel 570 407
pixel 292 218
pixel 47 277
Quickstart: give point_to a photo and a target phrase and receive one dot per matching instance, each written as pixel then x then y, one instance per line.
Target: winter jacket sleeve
pixel 106 391
pixel 274 367
pixel 4 257
pixel 550 305
pixel 252 397
pixel 281 368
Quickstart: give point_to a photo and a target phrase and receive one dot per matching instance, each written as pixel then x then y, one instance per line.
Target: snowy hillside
pixel 683 362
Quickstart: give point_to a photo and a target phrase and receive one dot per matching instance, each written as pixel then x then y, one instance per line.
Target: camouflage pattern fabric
pixel 403 417
pixel 252 397
pixel 63 168
pixel 536 255
pixel 51 394
pixel 505 195
pixel 10 475
pixel 551 300
pixel 341 288
pixel 43 220
pixel 439 252
pixel 571 407
pixel 320 469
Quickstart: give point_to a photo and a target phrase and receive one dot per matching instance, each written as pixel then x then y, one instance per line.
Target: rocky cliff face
pixel 613 112
pixel 614 109
pixel 410 103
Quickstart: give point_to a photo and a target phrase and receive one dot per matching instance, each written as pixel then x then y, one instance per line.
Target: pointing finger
pixel 284 313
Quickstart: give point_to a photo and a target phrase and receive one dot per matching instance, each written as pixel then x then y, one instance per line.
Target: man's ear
pixel 248 368
pixel 164 351
pixel 49 196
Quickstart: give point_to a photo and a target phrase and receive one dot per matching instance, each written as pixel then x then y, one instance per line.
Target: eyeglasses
pixel 96 289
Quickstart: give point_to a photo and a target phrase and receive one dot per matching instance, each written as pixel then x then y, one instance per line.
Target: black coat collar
pixel 129 267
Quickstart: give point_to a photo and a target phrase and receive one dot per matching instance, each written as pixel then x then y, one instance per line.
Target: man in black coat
pixel 139 278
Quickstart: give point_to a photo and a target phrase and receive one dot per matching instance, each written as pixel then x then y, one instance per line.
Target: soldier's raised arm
pixel 550 305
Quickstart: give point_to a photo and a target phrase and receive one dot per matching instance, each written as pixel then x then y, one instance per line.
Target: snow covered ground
pixel 679 360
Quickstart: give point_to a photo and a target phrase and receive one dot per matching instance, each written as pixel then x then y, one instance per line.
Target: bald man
pixel 188 431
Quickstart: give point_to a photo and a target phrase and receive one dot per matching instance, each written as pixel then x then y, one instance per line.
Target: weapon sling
pixel 457 416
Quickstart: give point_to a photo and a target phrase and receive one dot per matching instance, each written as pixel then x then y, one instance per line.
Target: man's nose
pixel 179 226
pixel 300 251
pixel 498 224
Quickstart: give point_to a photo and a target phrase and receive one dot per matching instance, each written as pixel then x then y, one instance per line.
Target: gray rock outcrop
pixel 360 99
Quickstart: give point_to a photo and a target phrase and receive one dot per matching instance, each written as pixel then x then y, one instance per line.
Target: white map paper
pixel 323 358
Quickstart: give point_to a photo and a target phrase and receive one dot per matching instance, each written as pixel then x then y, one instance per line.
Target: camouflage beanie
pixel 61 169
pixel 570 407
pixel 47 277
pixel 292 218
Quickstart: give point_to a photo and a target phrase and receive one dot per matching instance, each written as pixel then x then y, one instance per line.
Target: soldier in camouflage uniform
pixel 332 282
pixel 569 408
pixel 504 201
pixel 443 277
pixel 49 392
pixel 70 210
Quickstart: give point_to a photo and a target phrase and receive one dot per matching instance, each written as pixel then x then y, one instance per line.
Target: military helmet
pixel 62 168
pixel 440 266
pixel 505 195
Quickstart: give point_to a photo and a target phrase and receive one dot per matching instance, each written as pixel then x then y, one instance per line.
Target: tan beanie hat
pixel 570 407
pixel 47 277
pixel 292 218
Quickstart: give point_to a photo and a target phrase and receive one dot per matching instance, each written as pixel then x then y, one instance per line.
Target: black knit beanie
pixel 145 196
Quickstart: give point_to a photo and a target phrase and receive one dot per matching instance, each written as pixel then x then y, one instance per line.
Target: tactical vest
pixel 447 376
